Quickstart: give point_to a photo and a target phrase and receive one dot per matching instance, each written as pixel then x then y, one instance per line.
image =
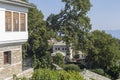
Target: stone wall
pixel 27 73
pixel 15 67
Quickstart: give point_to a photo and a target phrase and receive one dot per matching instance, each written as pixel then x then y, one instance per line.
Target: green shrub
pixel 99 71
pixel 47 74
pixel 71 67
pixel 58 59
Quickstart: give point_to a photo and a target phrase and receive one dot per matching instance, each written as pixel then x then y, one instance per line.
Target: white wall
pixel 10 37
pixel 64 51
pixel 59 46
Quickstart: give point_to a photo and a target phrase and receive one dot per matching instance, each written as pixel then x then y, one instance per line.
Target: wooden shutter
pixel 22 22
pixel 8 21
pixel 7 57
pixel 15 21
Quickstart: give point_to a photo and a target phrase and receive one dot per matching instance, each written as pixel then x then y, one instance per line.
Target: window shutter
pixel 7 57
pixel 15 21
pixel 23 22
pixel 8 21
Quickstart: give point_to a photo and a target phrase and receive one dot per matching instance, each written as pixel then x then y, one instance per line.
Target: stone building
pixel 13 33
pixel 60 47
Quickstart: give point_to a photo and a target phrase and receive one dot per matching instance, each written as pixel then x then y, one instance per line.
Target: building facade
pixel 60 47
pixel 13 33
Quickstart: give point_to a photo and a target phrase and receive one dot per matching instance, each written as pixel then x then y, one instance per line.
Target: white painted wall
pixel 10 37
pixel 64 51
pixel 59 46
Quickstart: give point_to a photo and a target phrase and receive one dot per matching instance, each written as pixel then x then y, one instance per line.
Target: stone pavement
pixel 89 75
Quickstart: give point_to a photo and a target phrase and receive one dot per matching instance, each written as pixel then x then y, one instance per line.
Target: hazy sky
pixel 104 14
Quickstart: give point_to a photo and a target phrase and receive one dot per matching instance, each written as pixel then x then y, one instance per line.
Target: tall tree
pixel 72 23
pixel 37 45
pixel 104 50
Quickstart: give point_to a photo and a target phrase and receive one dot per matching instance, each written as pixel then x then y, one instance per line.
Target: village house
pixel 60 47
pixel 13 33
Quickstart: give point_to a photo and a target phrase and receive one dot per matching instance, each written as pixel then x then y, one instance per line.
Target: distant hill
pixel 114 33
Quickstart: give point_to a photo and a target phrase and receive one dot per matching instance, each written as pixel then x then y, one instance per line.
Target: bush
pixel 58 59
pixel 47 74
pixel 71 67
pixel 99 71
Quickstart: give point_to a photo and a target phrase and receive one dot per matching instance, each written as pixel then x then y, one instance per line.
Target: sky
pixel 104 14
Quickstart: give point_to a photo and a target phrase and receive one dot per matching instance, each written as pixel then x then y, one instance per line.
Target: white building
pixel 13 16
pixel 13 33
pixel 61 47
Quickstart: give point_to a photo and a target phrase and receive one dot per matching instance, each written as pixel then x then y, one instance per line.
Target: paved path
pixel 88 75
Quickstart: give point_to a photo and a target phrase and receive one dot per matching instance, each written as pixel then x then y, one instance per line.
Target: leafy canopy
pixel 72 23
pixel 104 51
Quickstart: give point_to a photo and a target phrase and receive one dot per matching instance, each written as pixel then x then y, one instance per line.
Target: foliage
pixel 37 33
pixel 37 46
pixel 16 78
pixel 114 72
pixel 103 52
pixel 99 71
pixel 71 67
pixel 45 62
pixel 72 23
pixel 76 56
pixel 73 26
pixel 58 59
pixel 24 0
pixel 47 74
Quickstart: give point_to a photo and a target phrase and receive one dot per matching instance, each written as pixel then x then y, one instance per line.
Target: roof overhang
pixel 18 3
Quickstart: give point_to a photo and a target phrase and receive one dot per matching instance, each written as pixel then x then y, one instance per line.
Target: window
pixel 55 48
pixel 7 57
pixel 58 48
pixel 62 48
pixel 22 22
pixel 15 21
pixel 8 21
